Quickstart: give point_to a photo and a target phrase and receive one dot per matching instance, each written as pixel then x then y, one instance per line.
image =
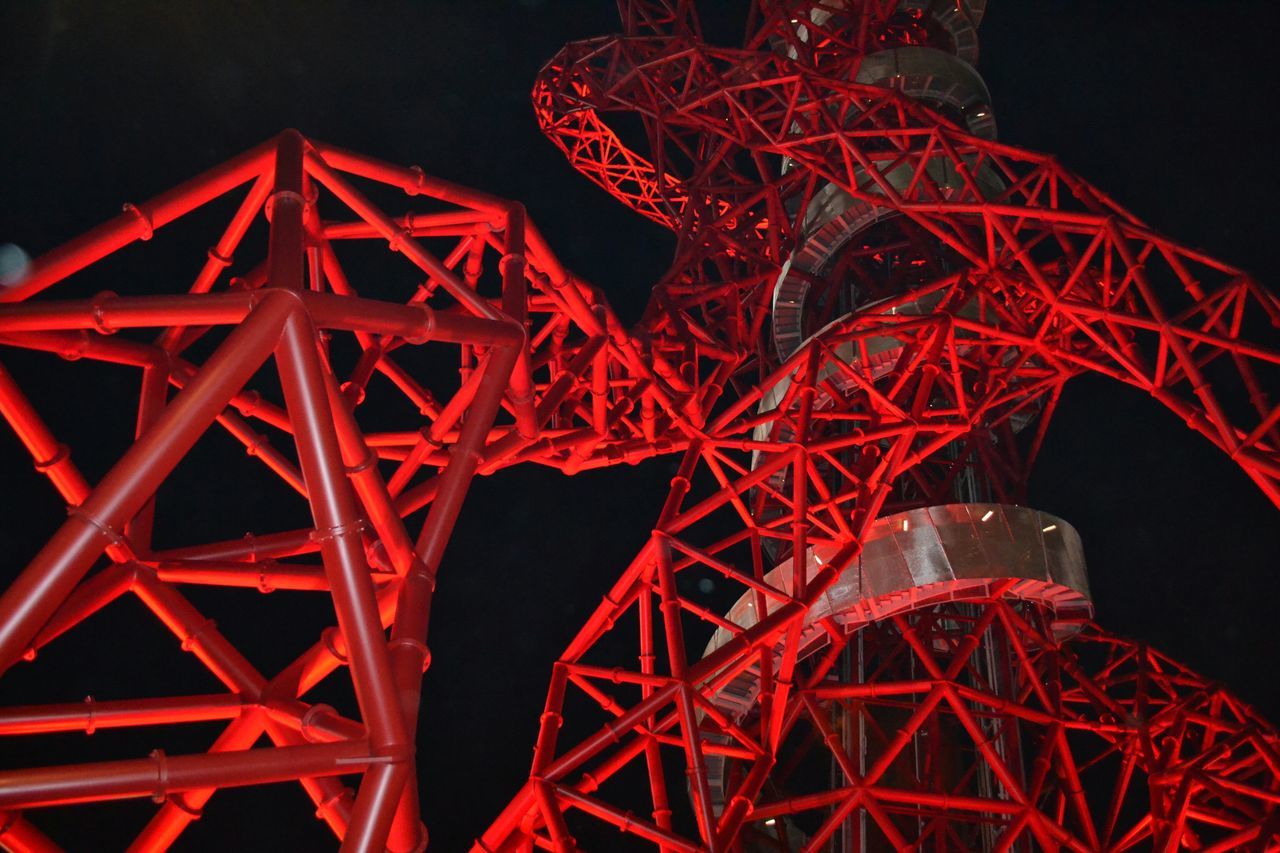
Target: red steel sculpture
pixel 873 310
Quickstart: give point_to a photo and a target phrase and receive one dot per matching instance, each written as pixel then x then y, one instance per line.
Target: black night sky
pixel 1165 105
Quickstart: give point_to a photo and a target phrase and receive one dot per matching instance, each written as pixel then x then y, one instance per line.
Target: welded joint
pixel 264 585
pixel 370 459
pixel 415 646
pixel 610 620
pixel 246 403
pixel 510 258
pixel 329 638
pixel 113 536
pixel 283 195
pixel 61 454
pixel 179 802
pixel 399 238
pixel 427 438
pixel 255 442
pixel 306 723
pixel 322 535
pixel 76 352
pixel 419 185
pixel 143 218
pixel 379 559
pixel 421 571
pixel 221 260
pixel 353 392
pixel 333 802
pixel 521 400
pixel 98 312
pixel 194 640
pixel 162 776
pixel 426 328
pixel 738 798
pixel 589 784
pixel 90 723
pixel 287 195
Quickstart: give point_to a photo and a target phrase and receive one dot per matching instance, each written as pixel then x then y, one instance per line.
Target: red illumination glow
pixel 944 374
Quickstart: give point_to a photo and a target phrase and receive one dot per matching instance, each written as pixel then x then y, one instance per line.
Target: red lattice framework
pixel 1019 276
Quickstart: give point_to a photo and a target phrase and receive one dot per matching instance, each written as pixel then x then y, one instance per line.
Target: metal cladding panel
pixel 1017 553
pixel 933 76
pixel 957 18
pixel 942 552
pixel 963 538
pixel 1065 554
pixel 925 554
pixel 849 587
pixel 884 567
pixel 834 217
pixel 916 559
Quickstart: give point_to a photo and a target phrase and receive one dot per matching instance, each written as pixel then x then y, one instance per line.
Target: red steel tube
pixel 90 715
pixel 316 723
pixel 138 222
pixel 410 179
pixel 515 304
pixel 337 524
pixel 318 168
pixel 370 488
pixel 414 323
pixel 198 635
pixel 17 835
pixel 88 598
pixel 333 506
pixel 161 775
pixel 51 458
pixel 285 209
pixel 409 654
pixel 181 808
pixel 72 345
pixel 374 807
pixel 153 395
pixel 288 543
pixel 38 591
pixel 220 255
pixel 332 799
pixel 266 576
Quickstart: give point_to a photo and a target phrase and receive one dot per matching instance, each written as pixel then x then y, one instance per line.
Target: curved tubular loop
pixel 944 287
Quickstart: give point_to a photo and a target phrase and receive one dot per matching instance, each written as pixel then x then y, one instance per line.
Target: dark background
pixel 1165 105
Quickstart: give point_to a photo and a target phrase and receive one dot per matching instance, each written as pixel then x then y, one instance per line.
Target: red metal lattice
pixel 951 373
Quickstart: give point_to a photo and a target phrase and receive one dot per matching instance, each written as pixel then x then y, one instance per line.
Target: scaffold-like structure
pixel 872 312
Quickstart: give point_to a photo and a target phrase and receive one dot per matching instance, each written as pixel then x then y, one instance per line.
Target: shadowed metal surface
pixel 923 556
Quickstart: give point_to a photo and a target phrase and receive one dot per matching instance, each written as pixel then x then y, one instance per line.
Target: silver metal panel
pixel 935 77
pixel 833 218
pixel 959 19
pixel 918 558
pixel 954 550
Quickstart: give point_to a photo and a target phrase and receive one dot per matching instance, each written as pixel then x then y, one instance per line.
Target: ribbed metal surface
pixel 923 556
pixel 915 559
pixel 937 78
pixel 957 19
pixel 833 218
